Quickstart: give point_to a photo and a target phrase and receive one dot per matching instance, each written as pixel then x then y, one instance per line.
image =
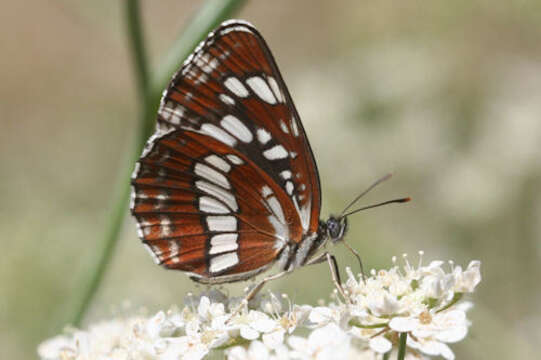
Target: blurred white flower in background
pixel 423 301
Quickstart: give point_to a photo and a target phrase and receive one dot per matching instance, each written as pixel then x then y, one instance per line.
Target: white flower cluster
pixel 422 301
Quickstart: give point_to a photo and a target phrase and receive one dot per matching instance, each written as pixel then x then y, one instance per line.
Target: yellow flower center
pixel 425 318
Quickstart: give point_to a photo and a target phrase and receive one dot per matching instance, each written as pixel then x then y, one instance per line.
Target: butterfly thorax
pixel 296 255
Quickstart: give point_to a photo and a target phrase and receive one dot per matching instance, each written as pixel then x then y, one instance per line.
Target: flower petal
pixel 403 324
pixel 248 333
pixel 380 344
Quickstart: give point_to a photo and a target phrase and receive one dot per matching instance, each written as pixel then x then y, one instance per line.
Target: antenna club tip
pixel 406 199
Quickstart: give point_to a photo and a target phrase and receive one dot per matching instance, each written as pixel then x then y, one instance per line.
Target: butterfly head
pixel 336 228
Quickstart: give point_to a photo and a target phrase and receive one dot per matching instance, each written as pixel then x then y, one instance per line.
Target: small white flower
pixel 423 301
pixel 448 326
pixel 252 324
pixel 383 304
pixel 256 351
pixel 403 324
pixel 208 311
pixel 438 286
pixel 465 282
pixel 328 342
pixel 431 348
pixel 56 347
pixel 433 330
pixel 380 344
pixel 322 315
pixel 286 324
pixel 159 326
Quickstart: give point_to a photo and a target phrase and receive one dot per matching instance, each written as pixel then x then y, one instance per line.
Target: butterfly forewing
pixel 229 178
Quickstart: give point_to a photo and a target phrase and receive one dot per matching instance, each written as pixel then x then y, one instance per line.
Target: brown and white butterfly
pixel 228 185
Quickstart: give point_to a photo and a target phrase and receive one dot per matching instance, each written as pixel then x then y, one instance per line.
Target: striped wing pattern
pixel 228 181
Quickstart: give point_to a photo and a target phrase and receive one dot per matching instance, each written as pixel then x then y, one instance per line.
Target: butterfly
pixel 228 186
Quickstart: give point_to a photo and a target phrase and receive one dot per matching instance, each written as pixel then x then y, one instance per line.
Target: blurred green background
pixel 444 94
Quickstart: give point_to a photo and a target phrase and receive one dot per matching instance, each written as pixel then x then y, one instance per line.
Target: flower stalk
pixel 402 346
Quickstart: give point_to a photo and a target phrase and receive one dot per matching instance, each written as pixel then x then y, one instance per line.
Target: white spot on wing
pixel 286 174
pixel 283 126
pixel 289 187
pixel 217 249
pixel 235 86
pixel 275 152
pixel 294 127
pixel 222 262
pixel 208 66
pixel 226 99
pixel 172 112
pixel 304 213
pixel 208 173
pixel 276 89
pixel 219 193
pixel 201 79
pixel 218 162
pixel 222 223
pixel 165 226
pixel 163 196
pixel 281 232
pixel 218 134
pixel 277 209
pixel 263 136
pixel 266 191
pixel 211 205
pixel 222 239
pixel 173 251
pixel 235 159
pixel 261 88
pixel 223 243
pixel 237 128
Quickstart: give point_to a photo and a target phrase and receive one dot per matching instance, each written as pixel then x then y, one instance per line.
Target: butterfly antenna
pixel 376 183
pixel 401 200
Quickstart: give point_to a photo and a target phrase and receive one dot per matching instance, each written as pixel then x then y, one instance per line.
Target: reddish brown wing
pixel 205 208
pixel 228 139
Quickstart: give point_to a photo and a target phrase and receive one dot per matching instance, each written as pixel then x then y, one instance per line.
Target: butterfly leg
pixel 253 292
pixel 335 273
pixel 259 286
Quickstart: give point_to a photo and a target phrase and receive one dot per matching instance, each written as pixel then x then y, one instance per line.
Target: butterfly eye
pixel 336 228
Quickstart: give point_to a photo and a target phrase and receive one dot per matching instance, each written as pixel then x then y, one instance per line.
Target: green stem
pixel 102 258
pixel 356 323
pixel 206 19
pixel 387 355
pixel 149 92
pixel 453 301
pixel 137 44
pixel 402 346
